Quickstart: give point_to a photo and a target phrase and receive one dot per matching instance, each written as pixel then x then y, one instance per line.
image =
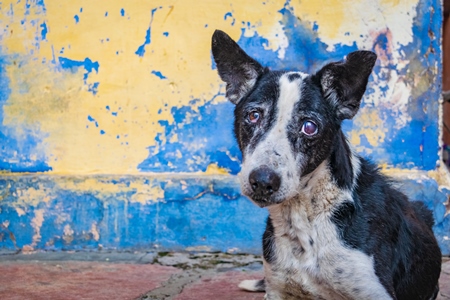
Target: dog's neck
pixel 324 189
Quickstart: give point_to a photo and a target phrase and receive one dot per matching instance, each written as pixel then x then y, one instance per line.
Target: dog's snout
pixel 264 181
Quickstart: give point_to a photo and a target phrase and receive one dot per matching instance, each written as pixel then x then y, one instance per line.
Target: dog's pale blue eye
pixel 254 116
pixel 309 128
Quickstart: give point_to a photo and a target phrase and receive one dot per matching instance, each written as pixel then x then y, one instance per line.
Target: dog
pixel 337 228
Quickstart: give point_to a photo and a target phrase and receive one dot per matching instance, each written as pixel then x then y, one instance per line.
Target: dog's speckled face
pixel 285 122
pixel 284 128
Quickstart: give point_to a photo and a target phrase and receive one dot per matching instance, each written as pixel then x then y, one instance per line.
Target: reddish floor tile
pixel 223 286
pixel 79 280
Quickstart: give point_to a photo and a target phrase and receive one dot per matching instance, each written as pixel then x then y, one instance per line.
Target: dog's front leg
pixel 273 295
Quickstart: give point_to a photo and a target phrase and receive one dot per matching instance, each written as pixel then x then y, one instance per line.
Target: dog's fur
pixel 337 228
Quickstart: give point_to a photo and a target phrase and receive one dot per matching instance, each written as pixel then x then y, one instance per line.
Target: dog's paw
pixel 253 285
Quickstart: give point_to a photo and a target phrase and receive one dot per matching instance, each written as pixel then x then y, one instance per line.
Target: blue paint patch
pixel 106 14
pixel 88 66
pixel 93 88
pixel 18 152
pixel 10 11
pixel 77 19
pixel 148 39
pixel 41 4
pixel 204 136
pixel 44 31
pixel 166 34
pixel 158 74
pixel 91 119
pixel 73 65
pixel 229 15
pixel 102 132
pixel 141 50
pixel 122 12
pixel 424 107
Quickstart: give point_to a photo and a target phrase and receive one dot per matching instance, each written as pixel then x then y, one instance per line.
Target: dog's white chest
pixel 305 261
pixel 311 262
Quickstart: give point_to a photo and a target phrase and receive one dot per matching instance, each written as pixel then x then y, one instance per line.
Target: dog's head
pixel 286 122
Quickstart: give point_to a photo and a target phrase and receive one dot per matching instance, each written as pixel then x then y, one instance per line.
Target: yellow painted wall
pixel 56 104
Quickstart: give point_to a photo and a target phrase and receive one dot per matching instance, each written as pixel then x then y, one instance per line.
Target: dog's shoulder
pixel 383 223
pixel 379 209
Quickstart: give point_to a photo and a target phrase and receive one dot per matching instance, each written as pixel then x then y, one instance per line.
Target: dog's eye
pixel 309 128
pixel 254 116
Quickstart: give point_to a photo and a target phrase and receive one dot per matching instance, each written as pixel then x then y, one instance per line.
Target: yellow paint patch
pixel 146 194
pixel 369 124
pixel 91 184
pixel 30 196
pixel 20 211
pixel 442 176
pixel 214 169
pixel 68 234
pixel 94 232
pixel 142 191
pixel 346 21
pixel 329 15
pixel 36 223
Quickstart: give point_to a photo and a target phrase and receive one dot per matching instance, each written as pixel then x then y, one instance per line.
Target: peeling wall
pixel 129 89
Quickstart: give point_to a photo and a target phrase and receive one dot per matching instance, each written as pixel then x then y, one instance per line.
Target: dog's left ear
pixel 344 83
pixel 235 67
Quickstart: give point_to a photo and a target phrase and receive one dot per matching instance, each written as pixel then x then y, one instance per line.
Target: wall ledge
pixel 159 212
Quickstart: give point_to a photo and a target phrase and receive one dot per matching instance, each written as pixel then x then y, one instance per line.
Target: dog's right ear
pixel 235 67
pixel 344 82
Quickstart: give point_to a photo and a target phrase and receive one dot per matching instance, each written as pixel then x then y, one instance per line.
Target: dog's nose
pixel 264 181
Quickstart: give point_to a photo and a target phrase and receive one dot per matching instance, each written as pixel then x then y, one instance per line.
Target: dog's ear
pixel 235 67
pixel 344 83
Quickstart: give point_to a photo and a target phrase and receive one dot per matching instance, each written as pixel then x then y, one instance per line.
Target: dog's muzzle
pixel 264 183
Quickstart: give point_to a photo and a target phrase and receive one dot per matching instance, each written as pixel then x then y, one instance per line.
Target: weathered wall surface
pixel 98 98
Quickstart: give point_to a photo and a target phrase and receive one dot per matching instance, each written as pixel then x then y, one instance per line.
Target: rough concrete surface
pixel 136 275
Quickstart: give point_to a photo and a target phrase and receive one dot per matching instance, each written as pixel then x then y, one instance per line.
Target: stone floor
pixel 112 275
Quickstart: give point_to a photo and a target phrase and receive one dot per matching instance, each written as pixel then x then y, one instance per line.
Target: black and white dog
pixel 337 228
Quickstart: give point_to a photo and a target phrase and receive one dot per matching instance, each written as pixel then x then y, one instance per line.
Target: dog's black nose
pixel 264 181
